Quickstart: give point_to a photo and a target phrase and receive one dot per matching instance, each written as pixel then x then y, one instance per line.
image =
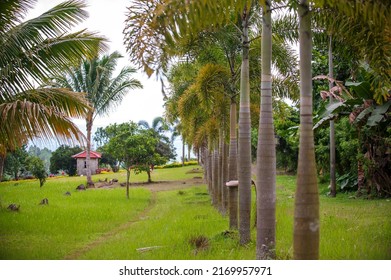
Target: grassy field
pixel 170 224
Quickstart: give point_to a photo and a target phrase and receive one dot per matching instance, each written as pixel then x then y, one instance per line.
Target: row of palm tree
pixel 151 41
pixel 73 82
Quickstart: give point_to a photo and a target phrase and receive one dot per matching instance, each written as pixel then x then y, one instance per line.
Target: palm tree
pixel 306 217
pixel 244 135
pixel 266 154
pixel 103 91
pixel 31 51
pixel 158 125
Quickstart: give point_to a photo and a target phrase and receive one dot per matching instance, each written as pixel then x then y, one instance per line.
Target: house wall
pixel 81 170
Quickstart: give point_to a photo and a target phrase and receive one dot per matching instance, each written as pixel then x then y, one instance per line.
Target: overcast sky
pixel 107 17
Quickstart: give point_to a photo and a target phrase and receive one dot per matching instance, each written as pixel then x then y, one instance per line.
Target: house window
pixel 85 164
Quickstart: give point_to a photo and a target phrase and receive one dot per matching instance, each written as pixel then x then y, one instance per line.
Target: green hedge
pixel 177 164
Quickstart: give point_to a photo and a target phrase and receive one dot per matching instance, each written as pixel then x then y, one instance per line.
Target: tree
pixel 62 160
pixel 306 216
pixel 30 52
pixel 103 91
pixel 244 135
pixel 45 154
pixel 266 153
pixel 36 166
pixel 134 148
pixel 15 162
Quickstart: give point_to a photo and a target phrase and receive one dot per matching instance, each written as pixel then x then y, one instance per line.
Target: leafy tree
pixel 104 91
pixel 30 52
pixel 158 129
pixel 133 148
pixel 15 163
pixel 44 154
pixel 62 160
pixel 36 166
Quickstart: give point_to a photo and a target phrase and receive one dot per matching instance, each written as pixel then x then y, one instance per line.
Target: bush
pixel 177 164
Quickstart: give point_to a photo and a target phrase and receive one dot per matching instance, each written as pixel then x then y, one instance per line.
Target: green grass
pixel 350 228
pixel 53 231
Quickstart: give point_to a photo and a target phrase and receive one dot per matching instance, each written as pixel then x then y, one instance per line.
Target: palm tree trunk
pixel 266 151
pixel 210 174
pixel 2 161
pixel 333 183
pixel 306 214
pixel 220 171
pixel 244 140
pixel 90 183
pixel 215 177
pixel 232 168
pixel 183 151
pixel 224 176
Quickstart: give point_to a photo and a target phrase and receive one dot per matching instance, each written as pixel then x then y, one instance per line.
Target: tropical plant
pixel 306 216
pixel 371 122
pixel 62 160
pixel 266 152
pixel 15 162
pixel 37 167
pixel 94 77
pixel 30 52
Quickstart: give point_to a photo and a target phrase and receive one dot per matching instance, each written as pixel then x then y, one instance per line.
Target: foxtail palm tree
pixel 31 51
pixel 266 153
pixel 94 77
pixel 244 135
pixel 306 216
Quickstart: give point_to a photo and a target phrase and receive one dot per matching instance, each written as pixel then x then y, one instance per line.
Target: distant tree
pixel 133 147
pixel 44 154
pixel 164 146
pixel 15 162
pixel 37 167
pixel 62 159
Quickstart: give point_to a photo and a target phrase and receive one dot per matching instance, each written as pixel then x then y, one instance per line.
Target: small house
pixel 81 162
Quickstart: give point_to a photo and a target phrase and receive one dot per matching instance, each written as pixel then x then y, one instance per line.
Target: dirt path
pixel 154 188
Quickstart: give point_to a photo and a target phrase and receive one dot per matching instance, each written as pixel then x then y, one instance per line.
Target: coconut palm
pixel 31 51
pixel 103 91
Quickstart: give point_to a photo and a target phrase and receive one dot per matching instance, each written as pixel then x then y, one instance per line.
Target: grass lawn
pixel 170 224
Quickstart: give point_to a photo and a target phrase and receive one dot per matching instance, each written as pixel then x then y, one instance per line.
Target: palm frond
pixel 35 115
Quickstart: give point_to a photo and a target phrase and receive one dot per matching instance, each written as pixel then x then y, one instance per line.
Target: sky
pixel 107 17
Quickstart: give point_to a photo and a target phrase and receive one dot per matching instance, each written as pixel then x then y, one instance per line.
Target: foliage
pixel 15 162
pixel 36 166
pixel 62 160
pixel 370 121
pixel 44 154
pixel 30 52
pixel 134 148
pixel 177 164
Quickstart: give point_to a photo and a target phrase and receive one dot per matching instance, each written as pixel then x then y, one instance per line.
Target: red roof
pixel 84 155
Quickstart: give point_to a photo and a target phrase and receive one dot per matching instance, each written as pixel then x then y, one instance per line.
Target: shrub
pixel 177 164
